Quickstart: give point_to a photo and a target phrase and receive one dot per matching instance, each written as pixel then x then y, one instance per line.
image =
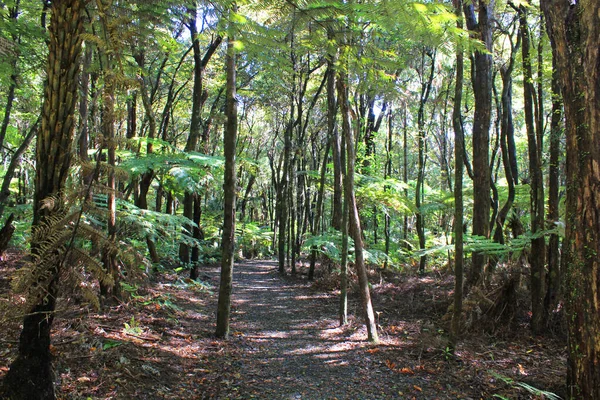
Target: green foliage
pixel 254 240
pixel 178 172
pixel 328 243
pixel 132 327
pixel 387 194
pixel 527 387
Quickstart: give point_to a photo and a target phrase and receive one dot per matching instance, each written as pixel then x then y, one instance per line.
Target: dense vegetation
pixel 172 135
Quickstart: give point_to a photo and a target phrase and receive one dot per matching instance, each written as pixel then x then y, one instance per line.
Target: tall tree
pixel 459 148
pixel 538 243
pixel 426 83
pixel 199 97
pixel 30 376
pixel 574 28
pixel 482 26
pixel 229 189
pixel 353 217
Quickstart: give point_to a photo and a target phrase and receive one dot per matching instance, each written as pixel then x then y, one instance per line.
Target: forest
pixel 299 199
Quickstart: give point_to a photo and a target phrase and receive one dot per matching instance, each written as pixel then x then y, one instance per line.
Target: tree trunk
pixel 199 96
pixel 315 227
pixel 458 187
pixel 425 91
pixel 537 256
pixel 14 162
pixel 507 133
pixel 353 217
pixel 229 189
pixel 482 88
pixel 13 14
pixel 30 375
pixel 147 177
pixel 387 175
pixel 574 27
pixel 333 135
pixel 110 291
pixel 556 131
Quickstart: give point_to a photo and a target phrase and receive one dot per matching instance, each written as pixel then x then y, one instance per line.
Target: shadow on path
pixel 294 347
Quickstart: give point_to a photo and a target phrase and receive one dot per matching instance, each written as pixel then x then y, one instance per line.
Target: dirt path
pixel 294 348
pixel 285 344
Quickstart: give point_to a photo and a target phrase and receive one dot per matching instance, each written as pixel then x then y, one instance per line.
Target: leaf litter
pixel 285 343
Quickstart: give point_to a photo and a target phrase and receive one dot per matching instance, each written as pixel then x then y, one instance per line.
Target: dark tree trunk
pixel 13 14
pixel 507 132
pixel 458 188
pixel 30 376
pixel 332 132
pixel 282 193
pixel 229 189
pixel 482 88
pixel 537 257
pixel 574 27
pixel 556 132
pixel 315 228
pixel 199 96
pixel 147 177
pixel 387 175
pixel 14 162
pixel 110 291
pixel 425 91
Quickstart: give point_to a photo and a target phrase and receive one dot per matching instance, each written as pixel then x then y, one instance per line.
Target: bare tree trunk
pixel 229 188
pixel 482 88
pixel 199 96
pixel 425 91
pixel 507 132
pixel 315 228
pixel 354 218
pixel 554 277
pixel 537 257
pixel 459 145
pixel 574 27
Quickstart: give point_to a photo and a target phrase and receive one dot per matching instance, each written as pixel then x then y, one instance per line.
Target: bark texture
pixel 574 28
pixel 30 376
pixel 229 189
pixel 482 88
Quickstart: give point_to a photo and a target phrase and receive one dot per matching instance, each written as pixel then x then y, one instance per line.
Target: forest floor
pixel 285 343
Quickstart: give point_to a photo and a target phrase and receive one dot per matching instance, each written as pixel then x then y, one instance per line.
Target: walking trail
pixel 295 348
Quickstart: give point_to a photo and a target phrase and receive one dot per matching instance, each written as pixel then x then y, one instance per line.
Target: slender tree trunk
pixel 332 132
pixel 353 217
pixel 282 206
pixel 14 162
pixel 425 91
pixel 507 132
pixel 482 82
pixel 405 166
pixel 458 187
pixel 110 291
pixel 229 188
pixel 343 305
pixel 30 376
pixel 13 14
pixel 315 228
pixel 388 174
pixel 147 177
pixel 537 257
pixel 556 132
pixel 199 96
